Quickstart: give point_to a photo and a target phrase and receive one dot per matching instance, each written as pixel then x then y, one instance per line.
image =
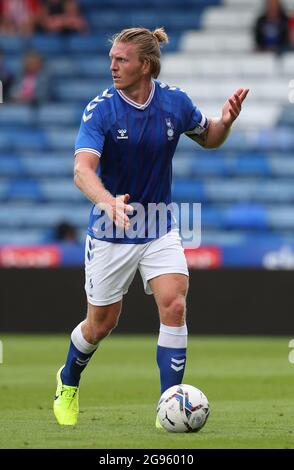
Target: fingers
pixel 120 211
pixel 236 101
pixel 129 209
pixel 242 93
pixel 235 107
pixel 121 220
pixel 233 114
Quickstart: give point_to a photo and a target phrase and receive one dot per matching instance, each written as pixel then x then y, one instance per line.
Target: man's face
pixel 126 68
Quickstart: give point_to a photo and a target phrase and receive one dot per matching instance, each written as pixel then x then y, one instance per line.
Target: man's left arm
pixel 219 128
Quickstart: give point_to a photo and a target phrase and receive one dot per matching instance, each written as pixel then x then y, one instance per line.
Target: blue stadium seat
pixel 249 165
pixel 281 139
pixel 181 21
pixel 286 118
pixel 47 166
pixel 15 139
pixel 274 191
pixel 48 44
pixel 187 190
pixel 28 236
pixel 10 165
pixel 4 184
pixel 24 190
pixel 219 237
pixel 245 216
pixel 89 6
pixel 18 215
pixel 78 90
pixel 182 166
pixel 281 217
pixel 55 140
pixel 13 44
pixel 17 115
pixel 14 64
pixel 225 190
pixel 211 217
pixel 60 190
pixel 59 114
pixel 90 43
pixel 281 165
pixel 209 166
pixel 84 66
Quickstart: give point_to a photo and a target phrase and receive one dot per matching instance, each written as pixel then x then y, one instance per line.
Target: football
pixel 183 408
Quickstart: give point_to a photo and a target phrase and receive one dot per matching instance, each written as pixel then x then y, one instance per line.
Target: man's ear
pixel 146 66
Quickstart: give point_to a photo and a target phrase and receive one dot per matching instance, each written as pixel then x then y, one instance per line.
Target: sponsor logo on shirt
pixel 122 134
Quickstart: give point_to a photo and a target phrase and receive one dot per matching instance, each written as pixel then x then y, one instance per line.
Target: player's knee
pixel 97 334
pixel 101 331
pixel 178 308
pixel 174 311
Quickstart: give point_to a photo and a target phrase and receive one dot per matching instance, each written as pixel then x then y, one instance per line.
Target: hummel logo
pixel 122 134
pixel 82 362
pixel 87 117
pixel 177 361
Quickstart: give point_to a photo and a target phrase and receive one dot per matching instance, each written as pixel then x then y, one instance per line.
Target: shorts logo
pixel 122 134
pixel 170 129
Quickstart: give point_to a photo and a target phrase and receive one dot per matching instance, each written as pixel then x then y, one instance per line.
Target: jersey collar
pixel 138 105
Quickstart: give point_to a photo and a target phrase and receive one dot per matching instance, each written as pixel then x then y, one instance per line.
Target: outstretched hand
pixel 233 106
pixel 119 211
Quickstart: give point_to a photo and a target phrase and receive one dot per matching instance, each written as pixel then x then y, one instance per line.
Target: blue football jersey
pixel 135 144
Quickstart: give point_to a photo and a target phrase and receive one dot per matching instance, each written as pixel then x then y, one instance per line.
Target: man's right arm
pixel 86 179
pixel 90 184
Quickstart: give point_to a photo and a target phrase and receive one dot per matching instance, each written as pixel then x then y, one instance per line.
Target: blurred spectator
pixel 62 16
pixel 271 28
pixel 6 77
pixel 32 87
pixel 19 16
pixel 64 231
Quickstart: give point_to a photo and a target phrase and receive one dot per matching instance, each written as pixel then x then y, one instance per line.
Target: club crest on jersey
pixel 170 129
pixel 122 134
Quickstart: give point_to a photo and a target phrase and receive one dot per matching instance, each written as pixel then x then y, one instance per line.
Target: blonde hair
pixel 148 44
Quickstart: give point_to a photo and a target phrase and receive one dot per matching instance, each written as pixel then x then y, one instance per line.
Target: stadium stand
pixel 246 187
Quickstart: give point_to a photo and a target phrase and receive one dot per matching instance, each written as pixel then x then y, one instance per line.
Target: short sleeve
pixel 91 134
pixel 196 122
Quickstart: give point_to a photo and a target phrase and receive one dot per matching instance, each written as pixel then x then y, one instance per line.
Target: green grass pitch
pixel 248 381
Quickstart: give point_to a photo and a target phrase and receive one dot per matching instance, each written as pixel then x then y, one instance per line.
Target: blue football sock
pixel 171 355
pixel 79 354
pixel 75 364
pixel 171 363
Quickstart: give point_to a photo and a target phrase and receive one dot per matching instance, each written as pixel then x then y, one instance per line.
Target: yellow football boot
pixel 66 402
pixel 158 425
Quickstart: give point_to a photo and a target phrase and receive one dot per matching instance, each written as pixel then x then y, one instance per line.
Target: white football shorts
pixel 110 267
